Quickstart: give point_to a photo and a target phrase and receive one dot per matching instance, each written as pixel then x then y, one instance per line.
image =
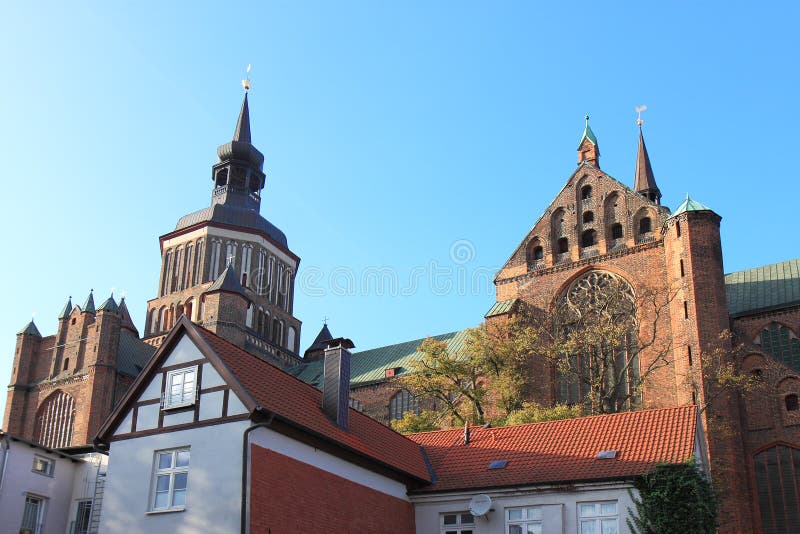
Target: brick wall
pixel 287 496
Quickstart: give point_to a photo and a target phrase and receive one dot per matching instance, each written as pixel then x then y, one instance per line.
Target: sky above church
pixel 410 146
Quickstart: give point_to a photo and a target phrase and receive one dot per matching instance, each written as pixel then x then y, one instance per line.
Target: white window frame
pixel 597 517
pixel 187 398
pixel 531 516
pixel 170 472
pixel 80 525
pixel 48 463
pixel 460 526
pixel 40 513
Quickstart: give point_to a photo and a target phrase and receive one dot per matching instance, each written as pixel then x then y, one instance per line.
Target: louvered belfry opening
pixel 55 421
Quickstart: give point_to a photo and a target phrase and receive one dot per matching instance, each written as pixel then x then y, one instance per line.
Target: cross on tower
pixel 325 320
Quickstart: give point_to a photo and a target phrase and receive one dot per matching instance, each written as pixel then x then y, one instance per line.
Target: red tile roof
pixel 560 451
pixel 293 400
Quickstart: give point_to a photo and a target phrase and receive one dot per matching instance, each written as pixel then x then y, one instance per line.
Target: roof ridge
pixel 583 418
pixel 305 384
pixel 413 340
pixel 768 265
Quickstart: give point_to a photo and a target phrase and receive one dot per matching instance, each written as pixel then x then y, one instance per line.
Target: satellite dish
pixel 480 504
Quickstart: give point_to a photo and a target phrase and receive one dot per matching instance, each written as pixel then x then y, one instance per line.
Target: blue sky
pixel 413 141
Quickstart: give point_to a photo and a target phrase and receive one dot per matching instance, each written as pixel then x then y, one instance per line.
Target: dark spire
pixel 88 306
pixel 109 304
pixel 127 321
pixel 228 281
pixel 30 330
pixel 645 183
pixel 242 133
pixel 67 309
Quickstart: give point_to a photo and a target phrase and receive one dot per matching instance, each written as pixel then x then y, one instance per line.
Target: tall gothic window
pixel 216 247
pixel 165 273
pixel 781 343
pixel 187 269
pixel 596 317
pixel 401 403
pixel 55 420
pixel 198 262
pixel 777 472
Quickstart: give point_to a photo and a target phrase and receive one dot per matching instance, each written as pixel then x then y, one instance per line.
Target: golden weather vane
pixel 246 81
pixel 639 110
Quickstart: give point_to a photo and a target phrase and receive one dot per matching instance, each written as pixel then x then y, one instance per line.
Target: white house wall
pixel 18 480
pixel 213 498
pixel 560 507
pixel 269 439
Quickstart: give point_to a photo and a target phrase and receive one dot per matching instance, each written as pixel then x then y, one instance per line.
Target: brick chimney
pixel 336 381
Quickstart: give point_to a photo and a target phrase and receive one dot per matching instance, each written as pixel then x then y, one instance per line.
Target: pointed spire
pixel 88 306
pixel 588 151
pixel 109 305
pixel 127 321
pixel 645 183
pixel 67 309
pixel 228 281
pixel 30 330
pixel 242 133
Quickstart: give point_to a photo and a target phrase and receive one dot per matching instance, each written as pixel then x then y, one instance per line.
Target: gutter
pixel 245 524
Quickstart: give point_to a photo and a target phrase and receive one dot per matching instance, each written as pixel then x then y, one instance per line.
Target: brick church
pixel 230 270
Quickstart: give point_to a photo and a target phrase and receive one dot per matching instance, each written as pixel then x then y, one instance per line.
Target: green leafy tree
pixel 426 421
pixel 673 498
pixel 532 412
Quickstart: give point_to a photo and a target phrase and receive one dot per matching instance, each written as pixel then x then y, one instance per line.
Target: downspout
pixel 246 467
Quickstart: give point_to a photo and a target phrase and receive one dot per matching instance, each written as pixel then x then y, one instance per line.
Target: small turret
pixel 317 349
pixel 88 306
pixel 66 310
pixel 588 150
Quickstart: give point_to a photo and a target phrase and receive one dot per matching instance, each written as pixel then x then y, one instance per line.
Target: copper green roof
pixel 588 134
pixel 88 306
pixel 764 288
pixel 109 305
pixel 30 329
pixel 66 310
pixel 689 205
pixel 501 307
pixel 369 366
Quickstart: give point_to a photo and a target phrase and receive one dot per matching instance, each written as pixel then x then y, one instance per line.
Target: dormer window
pixel 181 388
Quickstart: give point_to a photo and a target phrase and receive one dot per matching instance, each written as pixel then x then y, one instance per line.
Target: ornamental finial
pixel 639 110
pixel 246 81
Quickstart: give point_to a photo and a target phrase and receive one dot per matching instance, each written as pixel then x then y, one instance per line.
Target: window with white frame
pixel 42 465
pixel 457 523
pixel 598 517
pixel 33 515
pixel 82 517
pixel 526 520
pixel 170 479
pixel 181 388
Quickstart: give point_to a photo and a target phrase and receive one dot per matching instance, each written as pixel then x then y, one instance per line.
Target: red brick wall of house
pixel 288 496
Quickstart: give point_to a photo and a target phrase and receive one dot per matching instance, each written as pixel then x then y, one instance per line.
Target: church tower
pixel 225 266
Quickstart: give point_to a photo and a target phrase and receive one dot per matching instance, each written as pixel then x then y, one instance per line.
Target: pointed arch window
pixel 167 265
pixel 588 217
pixel 782 344
pixel 216 249
pixel 55 421
pixel 589 238
pixel 586 192
pixel 401 403
pixel 198 262
pixel 777 473
pixel 645 225
pixel 606 376
pixel 563 245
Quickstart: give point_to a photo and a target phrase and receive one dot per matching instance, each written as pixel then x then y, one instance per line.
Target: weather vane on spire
pixel 246 81
pixel 639 110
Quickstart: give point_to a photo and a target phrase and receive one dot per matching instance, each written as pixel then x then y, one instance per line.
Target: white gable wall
pixel 213 498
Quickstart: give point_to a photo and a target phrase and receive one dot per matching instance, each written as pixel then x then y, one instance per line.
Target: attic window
pixel 181 388
pixel 607 455
pixel 498 464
